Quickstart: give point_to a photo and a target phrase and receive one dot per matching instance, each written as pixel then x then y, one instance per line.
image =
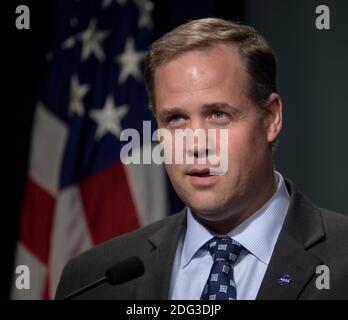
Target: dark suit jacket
pixel 310 236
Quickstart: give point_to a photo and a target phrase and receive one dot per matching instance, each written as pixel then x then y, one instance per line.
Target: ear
pixel 273 117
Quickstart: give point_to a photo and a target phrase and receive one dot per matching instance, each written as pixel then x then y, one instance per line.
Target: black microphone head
pixel 125 270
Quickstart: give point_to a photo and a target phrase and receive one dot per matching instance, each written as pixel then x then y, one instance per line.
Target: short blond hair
pixel 256 54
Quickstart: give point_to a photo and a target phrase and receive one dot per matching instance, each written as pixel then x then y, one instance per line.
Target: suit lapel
pixel 292 256
pixel 290 259
pixel 155 284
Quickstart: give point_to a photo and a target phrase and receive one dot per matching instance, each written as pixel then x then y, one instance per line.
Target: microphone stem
pixel 85 288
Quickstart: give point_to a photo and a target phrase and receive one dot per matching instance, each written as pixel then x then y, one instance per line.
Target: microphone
pixel 118 273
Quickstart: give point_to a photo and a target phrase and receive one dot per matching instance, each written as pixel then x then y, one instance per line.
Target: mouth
pixel 201 177
pixel 199 173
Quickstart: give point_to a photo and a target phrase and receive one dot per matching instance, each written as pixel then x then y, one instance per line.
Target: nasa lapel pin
pixel 284 280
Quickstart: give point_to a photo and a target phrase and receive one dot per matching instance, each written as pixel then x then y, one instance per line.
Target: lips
pixel 201 177
pixel 199 172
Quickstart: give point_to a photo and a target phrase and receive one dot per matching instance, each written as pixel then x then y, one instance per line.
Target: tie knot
pixel 224 249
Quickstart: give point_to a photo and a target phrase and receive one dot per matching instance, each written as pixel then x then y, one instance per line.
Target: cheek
pixel 244 145
pixel 172 151
pixel 174 172
pixel 238 145
pixel 169 169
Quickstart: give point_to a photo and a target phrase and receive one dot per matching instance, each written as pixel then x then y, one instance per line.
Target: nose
pixel 198 151
pixel 199 148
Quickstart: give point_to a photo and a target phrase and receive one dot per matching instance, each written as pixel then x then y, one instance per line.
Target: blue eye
pixel 218 114
pixel 175 119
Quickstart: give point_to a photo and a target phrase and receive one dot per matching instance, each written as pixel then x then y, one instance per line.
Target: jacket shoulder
pixel 335 225
pixel 93 263
pixel 136 237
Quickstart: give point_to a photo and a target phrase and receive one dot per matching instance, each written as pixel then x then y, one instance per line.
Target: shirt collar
pixel 258 234
pixel 196 236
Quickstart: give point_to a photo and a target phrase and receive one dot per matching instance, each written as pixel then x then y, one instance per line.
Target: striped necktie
pixel 220 284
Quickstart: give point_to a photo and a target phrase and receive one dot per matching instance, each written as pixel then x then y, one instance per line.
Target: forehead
pixel 195 71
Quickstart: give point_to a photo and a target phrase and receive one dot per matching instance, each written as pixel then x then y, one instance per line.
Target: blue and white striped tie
pixel 220 284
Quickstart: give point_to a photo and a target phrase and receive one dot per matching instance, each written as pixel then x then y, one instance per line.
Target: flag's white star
pixel 77 92
pixel 109 118
pixel 91 41
pixel 129 61
pixel 69 42
pixel 107 3
pixel 145 8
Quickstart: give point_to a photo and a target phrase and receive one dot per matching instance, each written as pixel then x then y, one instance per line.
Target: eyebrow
pixel 221 106
pixel 170 112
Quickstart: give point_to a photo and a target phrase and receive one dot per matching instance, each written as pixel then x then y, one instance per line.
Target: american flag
pixel 78 192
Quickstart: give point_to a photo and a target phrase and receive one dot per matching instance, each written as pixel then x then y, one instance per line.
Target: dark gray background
pixel 312 80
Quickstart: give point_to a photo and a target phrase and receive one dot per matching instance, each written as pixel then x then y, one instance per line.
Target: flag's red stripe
pixel 46 292
pixel 36 222
pixel 108 203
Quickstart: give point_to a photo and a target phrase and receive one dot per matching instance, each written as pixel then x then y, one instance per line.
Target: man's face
pixel 206 89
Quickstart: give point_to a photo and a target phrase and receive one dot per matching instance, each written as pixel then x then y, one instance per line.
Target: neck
pixel 234 217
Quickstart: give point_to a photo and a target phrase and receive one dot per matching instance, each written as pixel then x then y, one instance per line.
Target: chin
pixel 205 206
pixel 210 204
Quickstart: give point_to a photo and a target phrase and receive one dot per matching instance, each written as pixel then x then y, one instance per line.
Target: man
pixel 245 234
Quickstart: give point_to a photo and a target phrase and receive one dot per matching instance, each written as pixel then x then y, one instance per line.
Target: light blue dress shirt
pixel 258 234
